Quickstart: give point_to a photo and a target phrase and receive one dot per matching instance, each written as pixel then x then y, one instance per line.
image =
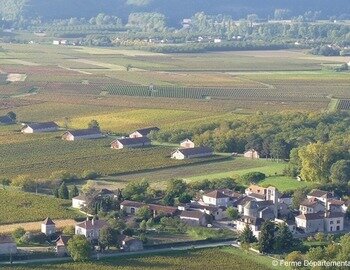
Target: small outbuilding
pixel 143 132
pixel 187 144
pixel 48 227
pixel 82 134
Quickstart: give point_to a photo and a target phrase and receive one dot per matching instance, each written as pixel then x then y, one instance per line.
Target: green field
pixel 18 207
pixel 216 258
pixel 40 155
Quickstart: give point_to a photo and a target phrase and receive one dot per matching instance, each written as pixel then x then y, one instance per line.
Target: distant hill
pixel 175 10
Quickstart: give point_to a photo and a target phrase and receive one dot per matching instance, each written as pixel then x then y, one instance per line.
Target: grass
pixel 215 258
pixel 18 207
pixel 284 183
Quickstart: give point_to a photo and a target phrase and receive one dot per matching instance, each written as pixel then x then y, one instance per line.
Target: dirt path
pixel 34 226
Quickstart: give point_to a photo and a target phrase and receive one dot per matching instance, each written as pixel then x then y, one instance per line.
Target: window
pixel 132 210
pixel 338 221
pixel 331 222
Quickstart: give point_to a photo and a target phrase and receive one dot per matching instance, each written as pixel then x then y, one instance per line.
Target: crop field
pixel 216 258
pixel 43 154
pixel 17 207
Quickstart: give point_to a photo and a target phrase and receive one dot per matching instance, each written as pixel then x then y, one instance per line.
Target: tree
pixel 24 182
pixel 63 192
pixel 267 237
pixel 93 124
pixel 79 248
pixel 74 192
pixel 316 160
pixel 232 213
pixel 284 240
pixel 296 259
pixel 136 190
pixel 247 236
pixel 108 237
pixel 185 198
pixel 176 187
pixel 297 197
pixel 89 187
pixel 18 232
pixel 340 172
pixel 143 225
pixel 68 230
pixel 5 182
pixel 143 213
pixel 253 177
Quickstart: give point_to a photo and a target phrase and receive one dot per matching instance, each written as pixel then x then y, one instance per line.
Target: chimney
pixel 93 221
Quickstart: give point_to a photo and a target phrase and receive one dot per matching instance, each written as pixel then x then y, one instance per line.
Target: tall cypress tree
pixel 267 237
pixel 284 239
pixel 63 191
pixel 247 236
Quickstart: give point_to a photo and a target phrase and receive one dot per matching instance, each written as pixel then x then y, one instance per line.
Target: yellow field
pixel 115 51
pixel 128 120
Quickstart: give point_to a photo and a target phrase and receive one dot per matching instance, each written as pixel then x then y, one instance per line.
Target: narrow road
pixel 126 254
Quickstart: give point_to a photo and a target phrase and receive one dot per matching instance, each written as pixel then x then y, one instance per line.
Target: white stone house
pixel 216 198
pixel 90 228
pixel 320 222
pixel 319 195
pixel 79 202
pixel 309 206
pixel 187 144
pixel 48 227
pixel 254 224
pixel 253 154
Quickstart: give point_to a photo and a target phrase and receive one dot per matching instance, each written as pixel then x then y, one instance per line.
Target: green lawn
pixel 284 183
pixel 215 258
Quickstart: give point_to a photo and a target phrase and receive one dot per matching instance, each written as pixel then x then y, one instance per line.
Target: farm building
pixel 48 227
pixel 130 143
pixel 61 245
pixel 194 218
pixel 6 120
pixel 130 244
pixel 83 134
pixel 143 132
pixel 253 154
pixel 90 228
pixel 7 245
pixel 196 152
pixel 79 202
pixel 187 144
pixel 40 127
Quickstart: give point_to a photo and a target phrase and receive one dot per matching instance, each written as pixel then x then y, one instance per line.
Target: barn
pixel 196 152
pixel 39 127
pixel 83 134
pixel 143 132
pixel 130 143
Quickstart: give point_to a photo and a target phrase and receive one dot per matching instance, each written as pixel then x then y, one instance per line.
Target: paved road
pixel 114 255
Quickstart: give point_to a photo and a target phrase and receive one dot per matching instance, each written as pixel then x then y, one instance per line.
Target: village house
pixel 143 132
pixel 239 204
pixel 309 206
pixel 83 134
pixel 216 198
pixel 260 209
pixel 317 194
pixel 188 153
pixel 334 205
pixel 79 202
pixel 289 223
pixel 285 199
pixel 254 224
pixel 194 218
pixel 7 245
pixel 48 227
pixel 320 222
pixel 39 127
pixel 130 244
pixel 256 192
pixel 253 154
pixel 130 143
pixel 6 120
pixel 187 144
pixel 217 212
pixel 90 228
pixel 61 245
pixel 131 207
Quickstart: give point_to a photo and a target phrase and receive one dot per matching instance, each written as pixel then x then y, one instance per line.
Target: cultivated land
pixel 19 207
pixel 216 258
pixel 81 84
